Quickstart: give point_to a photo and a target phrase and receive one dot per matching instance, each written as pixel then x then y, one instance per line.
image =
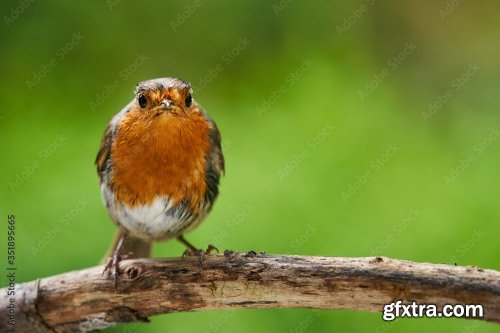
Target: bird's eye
pixel 189 100
pixel 142 100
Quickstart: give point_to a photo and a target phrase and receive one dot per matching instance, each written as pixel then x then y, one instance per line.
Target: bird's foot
pixel 113 265
pixel 200 253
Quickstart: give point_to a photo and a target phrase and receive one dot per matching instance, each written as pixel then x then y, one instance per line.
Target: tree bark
pixel 87 300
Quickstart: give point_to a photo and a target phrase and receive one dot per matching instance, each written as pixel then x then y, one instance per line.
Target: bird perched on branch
pixel 159 165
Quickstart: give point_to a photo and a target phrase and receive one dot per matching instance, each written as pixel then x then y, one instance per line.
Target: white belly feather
pixel 159 220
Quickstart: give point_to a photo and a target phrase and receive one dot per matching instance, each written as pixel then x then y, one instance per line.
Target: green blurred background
pixel 352 129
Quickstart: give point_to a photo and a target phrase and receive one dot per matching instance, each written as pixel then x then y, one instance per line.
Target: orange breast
pixel 160 155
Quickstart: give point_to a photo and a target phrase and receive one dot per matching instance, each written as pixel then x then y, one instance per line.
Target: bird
pixel 159 166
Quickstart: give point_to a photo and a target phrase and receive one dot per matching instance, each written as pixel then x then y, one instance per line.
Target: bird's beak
pixel 167 104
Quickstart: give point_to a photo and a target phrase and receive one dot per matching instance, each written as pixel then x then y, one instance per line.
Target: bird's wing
pixel 217 156
pixel 104 153
pixel 215 161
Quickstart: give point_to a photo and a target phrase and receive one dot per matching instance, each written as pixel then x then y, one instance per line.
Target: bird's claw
pixel 113 265
pixel 211 248
pixel 200 253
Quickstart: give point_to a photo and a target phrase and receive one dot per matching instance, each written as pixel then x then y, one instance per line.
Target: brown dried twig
pixel 86 300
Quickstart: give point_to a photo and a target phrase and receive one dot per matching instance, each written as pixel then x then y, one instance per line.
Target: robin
pixel 159 165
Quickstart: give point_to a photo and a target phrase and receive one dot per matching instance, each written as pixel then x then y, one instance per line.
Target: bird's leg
pixel 190 247
pixel 193 251
pixel 113 263
pixel 124 247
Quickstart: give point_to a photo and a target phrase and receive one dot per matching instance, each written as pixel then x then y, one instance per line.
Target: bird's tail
pixel 138 247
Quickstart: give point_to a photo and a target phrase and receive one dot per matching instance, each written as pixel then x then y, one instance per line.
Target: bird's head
pixel 164 95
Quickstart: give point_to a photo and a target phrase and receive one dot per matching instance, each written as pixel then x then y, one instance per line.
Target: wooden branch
pixel 86 300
